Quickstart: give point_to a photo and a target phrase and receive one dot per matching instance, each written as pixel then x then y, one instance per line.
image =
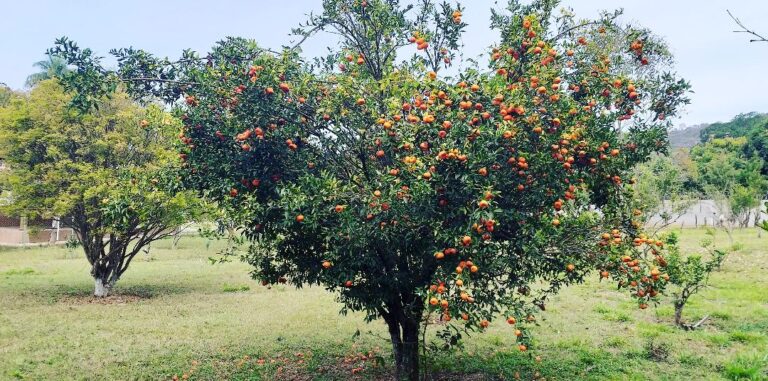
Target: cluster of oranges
pixel 637 48
pixel 421 42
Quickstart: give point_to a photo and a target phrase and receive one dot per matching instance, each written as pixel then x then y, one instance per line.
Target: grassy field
pixel 176 314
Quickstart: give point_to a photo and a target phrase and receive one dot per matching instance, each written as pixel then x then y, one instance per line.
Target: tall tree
pixel 53 67
pixel 411 193
pixel 108 173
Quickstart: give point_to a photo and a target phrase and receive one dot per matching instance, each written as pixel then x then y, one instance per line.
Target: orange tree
pixel 463 196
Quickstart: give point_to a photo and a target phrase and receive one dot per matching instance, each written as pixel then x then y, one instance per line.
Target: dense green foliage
pixel 752 126
pixel 106 173
pixel 740 125
pixel 725 173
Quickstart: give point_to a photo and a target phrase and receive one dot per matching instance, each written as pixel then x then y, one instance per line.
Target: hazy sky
pixel 729 75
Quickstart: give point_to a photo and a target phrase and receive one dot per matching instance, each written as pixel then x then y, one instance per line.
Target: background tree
pixel 106 173
pixel 53 67
pixel 410 193
pixel 661 191
pixel 727 175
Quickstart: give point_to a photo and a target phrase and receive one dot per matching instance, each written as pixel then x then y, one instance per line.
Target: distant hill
pixel 686 137
pixel 740 125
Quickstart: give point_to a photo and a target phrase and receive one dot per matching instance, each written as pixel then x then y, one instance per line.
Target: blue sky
pixel 728 74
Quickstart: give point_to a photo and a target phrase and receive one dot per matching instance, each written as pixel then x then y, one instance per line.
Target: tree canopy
pixel 107 173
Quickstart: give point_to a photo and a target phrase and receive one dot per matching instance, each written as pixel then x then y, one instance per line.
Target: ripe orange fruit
pixel 326 265
pixel 570 267
pixel 473 269
pixel 466 240
pixel 511 320
pixel 433 301
pixel 339 208
pixel 300 218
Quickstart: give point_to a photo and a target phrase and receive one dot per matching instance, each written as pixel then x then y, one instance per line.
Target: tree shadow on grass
pixel 82 293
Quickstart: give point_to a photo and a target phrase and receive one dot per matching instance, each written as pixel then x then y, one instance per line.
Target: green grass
pixel 174 313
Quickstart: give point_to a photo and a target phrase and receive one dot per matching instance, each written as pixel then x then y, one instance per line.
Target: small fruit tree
pixel 408 192
pixel 107 173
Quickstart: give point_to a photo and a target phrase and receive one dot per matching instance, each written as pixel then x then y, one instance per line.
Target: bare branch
pixel 744 29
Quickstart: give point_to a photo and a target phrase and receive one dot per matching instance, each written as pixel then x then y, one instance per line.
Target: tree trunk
pixel 105 267
pixel 176 237
pixel 404 335
pixel 397 345
pixel 411 349
pixel 679 313
pixel 102 287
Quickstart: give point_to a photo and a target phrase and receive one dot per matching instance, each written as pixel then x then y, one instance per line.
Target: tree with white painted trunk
pixel 108 172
